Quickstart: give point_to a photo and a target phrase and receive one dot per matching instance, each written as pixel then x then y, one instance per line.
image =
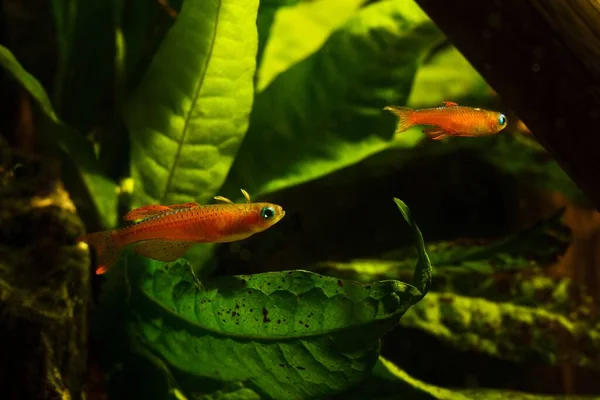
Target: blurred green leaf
pixel 388 382
pixel 290 334
pixel 297 31
pixel 27 81
pixel 86 173
pixel 447 75
pixel 506 331
pixel 324 113
pixel 190 112
pixel 95 195
pixel 87 50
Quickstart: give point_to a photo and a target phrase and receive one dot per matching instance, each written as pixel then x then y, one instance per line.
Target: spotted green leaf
pixel 290 334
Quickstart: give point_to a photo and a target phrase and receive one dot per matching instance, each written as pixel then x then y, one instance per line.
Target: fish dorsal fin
pixel 163 250
pixel 449 104
pixel 154 210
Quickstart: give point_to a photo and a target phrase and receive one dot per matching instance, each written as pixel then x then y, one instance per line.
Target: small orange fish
pixel 450 120
pixel 165 233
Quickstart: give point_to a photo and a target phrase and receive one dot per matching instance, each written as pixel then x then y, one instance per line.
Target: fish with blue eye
pixel 449 120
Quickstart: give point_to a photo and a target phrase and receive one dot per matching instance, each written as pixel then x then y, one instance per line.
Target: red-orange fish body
pixel 165 233
pixel 450 120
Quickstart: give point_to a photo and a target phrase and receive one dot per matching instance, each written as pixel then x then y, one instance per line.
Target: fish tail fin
pixel 404 115
pixel 107 249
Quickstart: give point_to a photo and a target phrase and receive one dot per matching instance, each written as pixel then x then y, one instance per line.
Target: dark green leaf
pixel 27 81
pixel 388 382
pixel 86 173
pixel 95 194
pixel 190 112
pixel 423 270
pixel 325 113
pixel 87 51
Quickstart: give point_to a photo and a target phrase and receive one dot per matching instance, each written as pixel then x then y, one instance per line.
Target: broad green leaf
pixel 325 113
pixel 290 334
pixel 267 10
pixel 101 192
pixel 190 112
pixel 27 81
pixel 298 31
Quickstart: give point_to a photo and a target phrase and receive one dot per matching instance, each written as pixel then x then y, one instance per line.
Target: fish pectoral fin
pixel 436 133
pixel 449 104
pixel 155 209
pixel 163 250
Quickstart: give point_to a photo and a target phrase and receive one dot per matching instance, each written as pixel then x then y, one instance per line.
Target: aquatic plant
pixel 146 108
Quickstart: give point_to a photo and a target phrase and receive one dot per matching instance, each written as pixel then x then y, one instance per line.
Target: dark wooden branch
pixel 543 58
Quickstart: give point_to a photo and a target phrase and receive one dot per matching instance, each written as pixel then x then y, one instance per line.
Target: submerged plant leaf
pixel 325 113
pixel 101 192
pixel 447 75
pixel 290 334
pixel 388 382
pixel 506 331
pixel 298 31
pixel 190 111
pixel 27 81
pixel 267 10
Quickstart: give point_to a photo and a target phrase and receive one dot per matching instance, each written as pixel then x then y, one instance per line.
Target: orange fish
pixel 165 233
pixel 449 120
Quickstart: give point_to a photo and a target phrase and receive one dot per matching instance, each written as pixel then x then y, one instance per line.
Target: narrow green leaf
pixel 298 31
pixel 95 194
pixel 388 382
pixel 423 270
pixel 27 81
pixel 65 14
pixel 325 113
pixel 101 191
pixel 190 112
pixel 84 87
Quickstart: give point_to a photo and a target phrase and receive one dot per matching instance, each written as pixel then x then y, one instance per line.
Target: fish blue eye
pixel 501 119
pixel 267 212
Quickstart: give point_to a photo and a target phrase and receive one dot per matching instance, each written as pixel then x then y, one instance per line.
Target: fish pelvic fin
pixel 107 249
pixel 404 115
pixel 163 250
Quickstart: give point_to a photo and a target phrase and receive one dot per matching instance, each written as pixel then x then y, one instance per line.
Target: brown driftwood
pixel 543 58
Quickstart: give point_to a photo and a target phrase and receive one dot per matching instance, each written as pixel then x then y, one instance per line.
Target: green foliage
pixel 87 174
pixel 290 334
pixel 325 124
pixel 297 31
pixel 273 96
